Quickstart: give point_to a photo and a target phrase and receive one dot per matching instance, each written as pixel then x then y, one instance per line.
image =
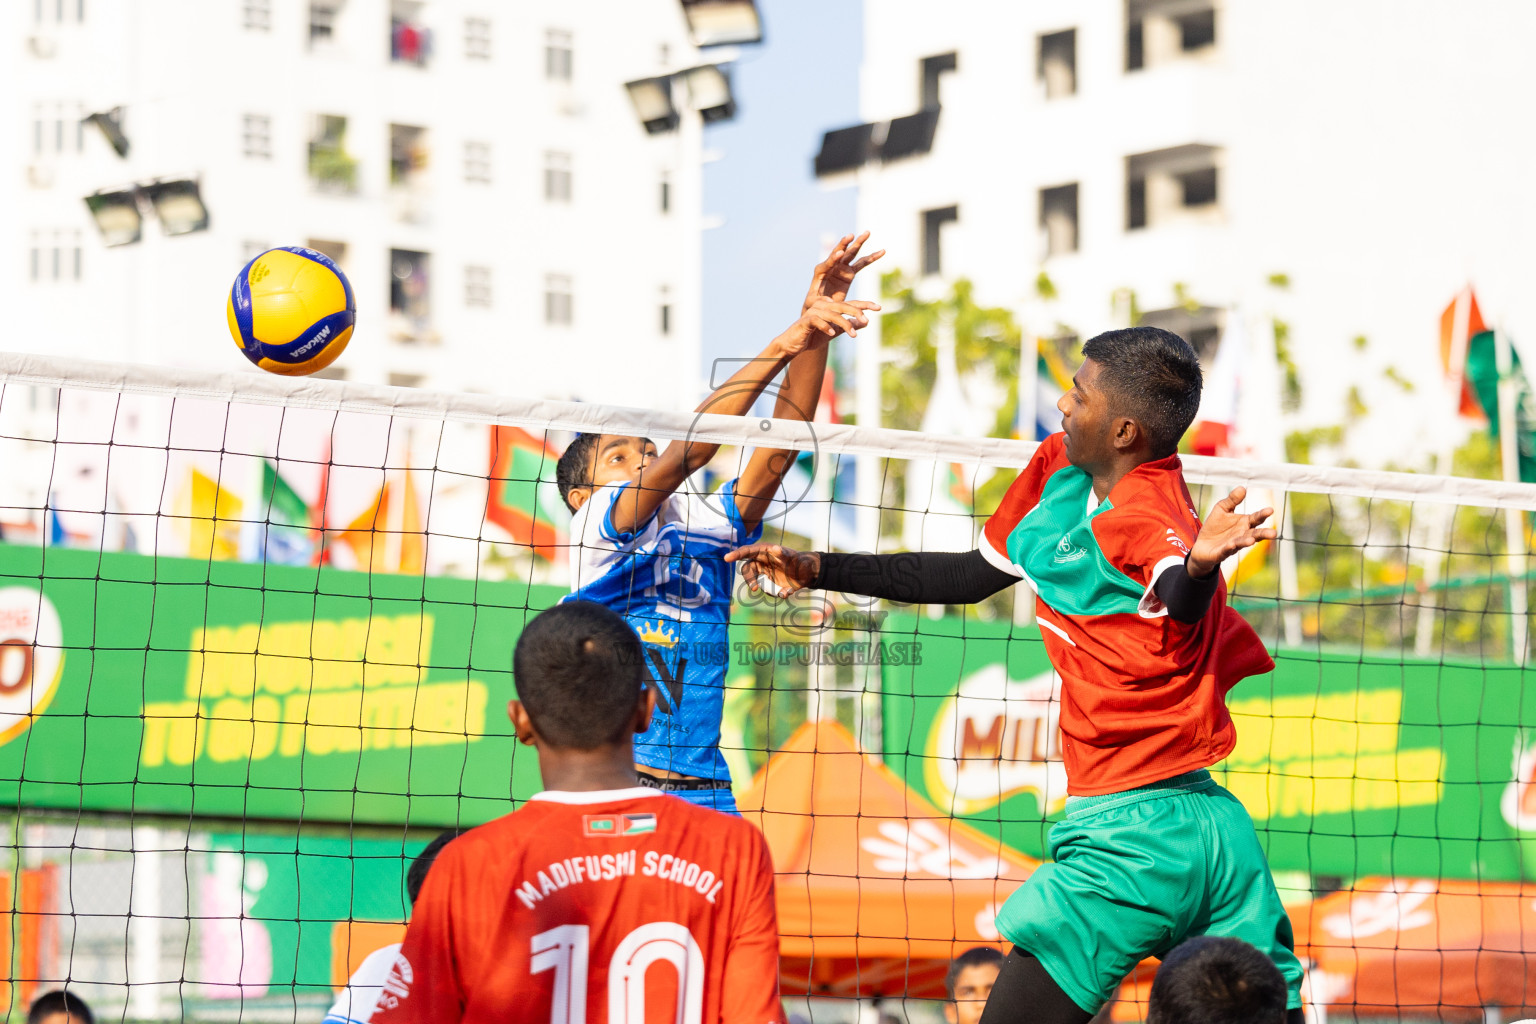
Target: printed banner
pixel 1350 766
pixel 257 691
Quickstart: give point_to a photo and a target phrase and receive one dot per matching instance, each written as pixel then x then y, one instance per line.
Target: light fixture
pixel 709 92
pixel 117 216
pixel 111 124
pixel 652 99
pixel 723 22
pixel 179 205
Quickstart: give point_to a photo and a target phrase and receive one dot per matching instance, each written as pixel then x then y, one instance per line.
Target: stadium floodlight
pixel 652 98
pixel 117 216
pixel 111 124
pixel 723 22
pixel 709 91
pixel 179 205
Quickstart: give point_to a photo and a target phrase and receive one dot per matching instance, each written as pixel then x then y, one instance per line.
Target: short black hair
pixel 1217 980
pixel 579 669
pixel 978 957
pixel 575 466
pixel 416 875
pixel 59 1001
pixel 1154 376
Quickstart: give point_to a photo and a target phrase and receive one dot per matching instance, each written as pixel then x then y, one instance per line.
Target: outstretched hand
pixel 833 276
pixel 823 320
pixel 1226 532
pixel 779 570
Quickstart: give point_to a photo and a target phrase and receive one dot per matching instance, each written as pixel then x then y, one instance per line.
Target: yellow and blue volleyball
pixel 291 311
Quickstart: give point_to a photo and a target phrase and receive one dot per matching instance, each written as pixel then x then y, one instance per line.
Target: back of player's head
pixel 981 956
pixel 579 671
pixel 416 875
pixel 59 1005
pixel 1152 376
pixel 575 466
pixel 1217 980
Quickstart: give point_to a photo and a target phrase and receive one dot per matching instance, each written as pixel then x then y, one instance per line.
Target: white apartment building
pixel 475 166
pixel 1374 153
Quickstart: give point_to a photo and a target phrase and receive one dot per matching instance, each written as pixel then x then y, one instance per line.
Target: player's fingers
pixel 749 553
pixel 1265 533
pixel 1238 494
pixel 861 304
pixel 867 260
pixel 1257 518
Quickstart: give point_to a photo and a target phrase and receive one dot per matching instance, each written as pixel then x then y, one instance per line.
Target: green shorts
pixel 1137 873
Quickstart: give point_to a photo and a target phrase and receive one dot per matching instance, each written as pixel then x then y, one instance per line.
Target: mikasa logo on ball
pixel 325 332
pixel 31 658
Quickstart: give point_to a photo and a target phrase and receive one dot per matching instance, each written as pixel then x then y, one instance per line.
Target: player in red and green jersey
pixel 1133 612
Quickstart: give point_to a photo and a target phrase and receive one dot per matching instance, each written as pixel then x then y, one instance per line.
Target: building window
pixel 410 291
pixel 477 38
pixel 406 380
pixel 666 318
pixel 408 155
pixel 322 22
pixel 477 287
pixel 557 299
pixel 331 168
pixel 558 58
pixel 1158 31
pixel 35 259
pixel 666 193
pixel 557 177
pixel 60 10
pixel 250 249
pixel 1173 185
pixel 1056 68
pixel 410 41
pixel 258 15
pixel 257 135
pixel 337 251
pixel 933 232
pixel 477 162
pixel 55 259
pixel 1058 219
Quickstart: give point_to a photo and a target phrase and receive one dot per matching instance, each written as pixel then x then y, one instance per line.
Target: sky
pixel 770 216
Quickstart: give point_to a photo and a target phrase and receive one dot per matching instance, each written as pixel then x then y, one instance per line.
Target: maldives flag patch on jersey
pixel 618 824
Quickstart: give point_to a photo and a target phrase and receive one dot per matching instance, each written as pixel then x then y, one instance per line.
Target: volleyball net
pixel 255 646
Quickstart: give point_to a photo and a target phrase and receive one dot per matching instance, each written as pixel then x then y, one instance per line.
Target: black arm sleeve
pixel 914 577
pixel 1186 597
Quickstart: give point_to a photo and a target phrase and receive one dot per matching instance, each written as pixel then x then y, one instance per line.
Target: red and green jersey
pixel 1143 696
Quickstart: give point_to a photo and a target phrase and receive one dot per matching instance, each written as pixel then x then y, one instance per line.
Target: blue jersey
pixel 671 581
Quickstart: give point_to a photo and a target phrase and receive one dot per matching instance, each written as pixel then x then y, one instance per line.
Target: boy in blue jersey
pixel 651 549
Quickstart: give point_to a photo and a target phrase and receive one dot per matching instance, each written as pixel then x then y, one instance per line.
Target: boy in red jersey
pixel 1133 612
pixel 564 910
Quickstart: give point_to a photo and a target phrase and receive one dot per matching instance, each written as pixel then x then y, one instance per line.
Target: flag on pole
pixel 1482 380
pixel 939 495
pixel 364 535
pixel 1470 406
pixel 282 534
pixel 523 498
pixel 209 517
pixel 1053 379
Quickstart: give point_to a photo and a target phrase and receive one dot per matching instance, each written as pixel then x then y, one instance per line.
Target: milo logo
pixel 31 658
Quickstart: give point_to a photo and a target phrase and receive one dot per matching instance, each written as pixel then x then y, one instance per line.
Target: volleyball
pixel 291 311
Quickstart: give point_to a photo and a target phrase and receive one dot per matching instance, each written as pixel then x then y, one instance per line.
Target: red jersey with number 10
pixel 626 906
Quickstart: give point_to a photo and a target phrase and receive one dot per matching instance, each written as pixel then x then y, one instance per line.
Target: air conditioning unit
pixel 40 176
pixel 42 46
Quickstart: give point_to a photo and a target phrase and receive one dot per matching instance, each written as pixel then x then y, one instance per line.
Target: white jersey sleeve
pixel 356 1003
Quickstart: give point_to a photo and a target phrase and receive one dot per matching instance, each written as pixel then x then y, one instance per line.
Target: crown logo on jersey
pixel 658 636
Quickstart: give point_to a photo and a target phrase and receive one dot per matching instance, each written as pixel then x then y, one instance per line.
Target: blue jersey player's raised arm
pixel 647 546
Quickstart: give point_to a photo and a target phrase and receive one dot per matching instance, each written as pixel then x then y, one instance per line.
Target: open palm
pixel 1227 531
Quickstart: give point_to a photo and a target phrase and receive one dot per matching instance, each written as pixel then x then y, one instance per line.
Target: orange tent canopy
pixel 877 888
pixel 1422 946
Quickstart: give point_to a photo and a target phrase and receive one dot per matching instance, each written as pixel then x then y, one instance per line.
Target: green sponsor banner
pixel 176 686
pixel 1349 765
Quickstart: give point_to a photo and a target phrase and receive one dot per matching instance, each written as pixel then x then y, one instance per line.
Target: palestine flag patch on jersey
pixel 618 825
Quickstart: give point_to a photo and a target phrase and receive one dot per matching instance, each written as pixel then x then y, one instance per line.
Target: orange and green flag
pixel 523 498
